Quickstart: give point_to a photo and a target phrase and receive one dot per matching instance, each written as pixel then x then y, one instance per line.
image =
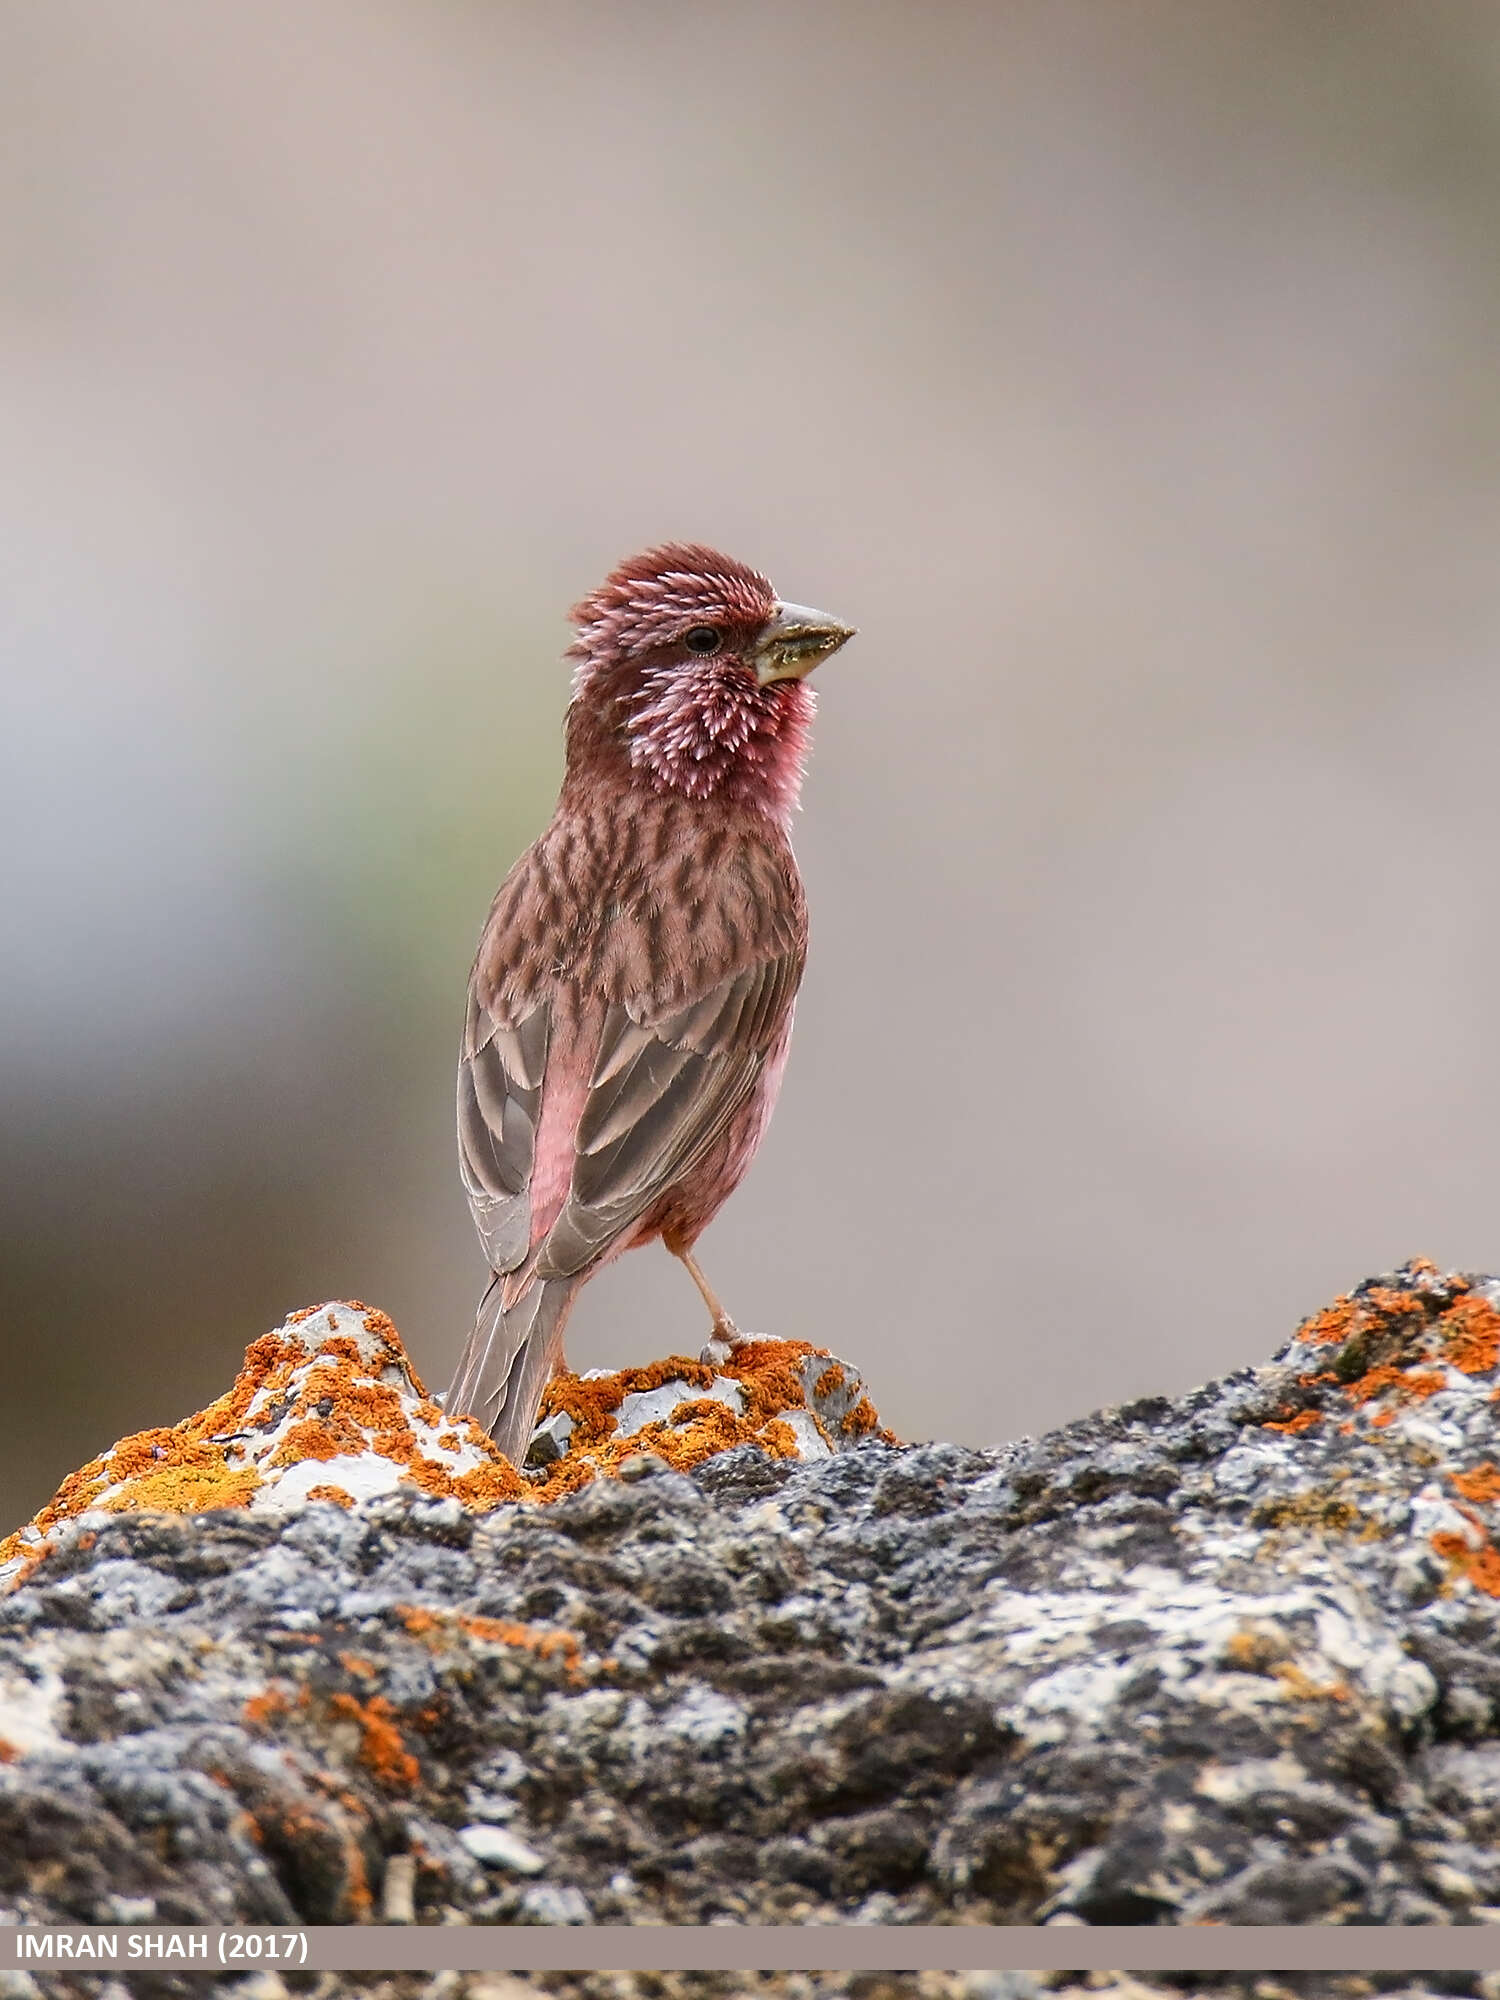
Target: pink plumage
pixel 630 1006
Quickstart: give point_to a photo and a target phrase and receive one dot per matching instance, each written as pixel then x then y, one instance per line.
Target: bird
pixel 631 999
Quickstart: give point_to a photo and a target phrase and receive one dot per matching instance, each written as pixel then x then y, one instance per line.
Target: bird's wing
pixel 663 1088
pixel 650 991
pixel 500 1074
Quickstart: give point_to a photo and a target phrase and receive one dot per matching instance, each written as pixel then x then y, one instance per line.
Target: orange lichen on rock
pixel 485 1487
pixel 266 1706
pixel 9 1754
pixel 1405 1382
pixel 1352 1312
pixel 382 1749
pixel 769 1376
pixel 780 1439
pixel 1331 1326
pixel 439 1628
pixel 1471 1335
pixel 332 1385
pixel 863 1420
pixel 1480 1484
pixel 297 1829
pixel 333 1388
pixel 592 1404
pixel 313 1438
pixel 178 1469
pixel 1400 1340
pixel 380 1326
pixel 1480 1565
pixel 767 1371
pixel 396 1445
pixel 1303 1421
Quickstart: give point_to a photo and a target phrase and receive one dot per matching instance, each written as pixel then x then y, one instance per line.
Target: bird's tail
pixel 508 1360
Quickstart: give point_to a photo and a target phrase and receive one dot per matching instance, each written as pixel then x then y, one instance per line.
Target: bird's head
pixel 691 669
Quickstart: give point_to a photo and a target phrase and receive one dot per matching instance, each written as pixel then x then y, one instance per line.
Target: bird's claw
pixel 723 1342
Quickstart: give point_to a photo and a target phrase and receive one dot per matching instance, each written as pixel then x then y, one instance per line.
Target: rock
pixel 549 1441
pixel 660 1406
pixel 329 1408
pixel 498 1849
pixel 792 1400
pixel 1165 1665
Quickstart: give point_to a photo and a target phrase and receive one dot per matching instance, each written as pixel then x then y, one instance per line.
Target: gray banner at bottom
pixel 751 1948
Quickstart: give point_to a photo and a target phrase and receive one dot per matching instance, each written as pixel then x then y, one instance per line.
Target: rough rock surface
pixel 1232 1658
pixel 266 1984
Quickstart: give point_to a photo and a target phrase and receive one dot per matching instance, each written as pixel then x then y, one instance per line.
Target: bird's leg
pixel 726 1335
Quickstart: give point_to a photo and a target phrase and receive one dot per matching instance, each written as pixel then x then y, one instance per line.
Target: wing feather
pixel 690 1015
pixel 669 1103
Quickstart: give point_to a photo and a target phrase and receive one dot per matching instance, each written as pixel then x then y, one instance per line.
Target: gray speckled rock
pixel 1230 1658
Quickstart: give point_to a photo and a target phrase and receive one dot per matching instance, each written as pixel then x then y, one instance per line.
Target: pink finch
pixel 631 1001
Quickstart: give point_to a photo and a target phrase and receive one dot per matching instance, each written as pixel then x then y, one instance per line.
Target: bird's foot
pixel 726 1337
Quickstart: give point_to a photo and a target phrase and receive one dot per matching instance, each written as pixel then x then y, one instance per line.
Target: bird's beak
pixel 794 641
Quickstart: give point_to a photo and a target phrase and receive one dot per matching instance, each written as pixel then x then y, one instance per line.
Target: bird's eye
pixel 703 639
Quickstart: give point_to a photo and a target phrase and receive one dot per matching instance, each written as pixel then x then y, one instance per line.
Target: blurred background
pixel 1127 374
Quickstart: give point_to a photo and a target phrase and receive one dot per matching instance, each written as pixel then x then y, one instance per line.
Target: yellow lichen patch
pixel 1257 1649
pixel 698 1431
pixel 181 1469
pixel 334 1493
pixel 186 1488
pixel 1300 1685
pixel 74 1496
pixel 1396 1342
pixel 15 1549
pixel 503 1632
pixel 1323 1510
